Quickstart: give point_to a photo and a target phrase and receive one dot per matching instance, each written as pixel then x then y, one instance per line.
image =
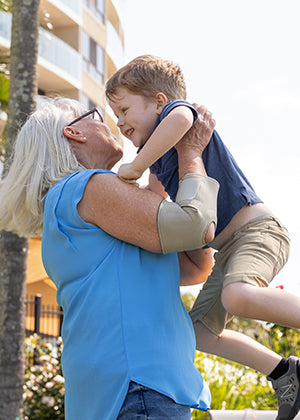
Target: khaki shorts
pixel 254 255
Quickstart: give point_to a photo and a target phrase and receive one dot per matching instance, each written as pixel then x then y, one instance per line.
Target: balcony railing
pixel 114 45
pixel 99 14
pixel 60 58
pixel 119 6
pixel 72 8
pixel 54 54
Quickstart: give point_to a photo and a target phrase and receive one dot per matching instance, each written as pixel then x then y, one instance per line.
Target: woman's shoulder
pixel 70 189
pixel 77 178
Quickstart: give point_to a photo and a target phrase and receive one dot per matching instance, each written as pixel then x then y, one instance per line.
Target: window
pixel 89 104
pixel 93 57
pixel 97 7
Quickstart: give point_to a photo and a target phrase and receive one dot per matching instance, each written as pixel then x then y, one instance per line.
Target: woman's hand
pixel 193 143
pixel 200 134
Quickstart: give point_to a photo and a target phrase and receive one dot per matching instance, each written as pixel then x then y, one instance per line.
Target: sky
pixel 241 59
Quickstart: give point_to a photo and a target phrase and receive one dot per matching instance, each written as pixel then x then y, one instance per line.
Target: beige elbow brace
pixel 183 225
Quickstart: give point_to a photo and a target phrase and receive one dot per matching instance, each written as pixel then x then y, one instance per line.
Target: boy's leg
pixel 242 263
pixel 265 304
pixel 237 347
pixel 210 317
pixel 283 373
pixel 258 252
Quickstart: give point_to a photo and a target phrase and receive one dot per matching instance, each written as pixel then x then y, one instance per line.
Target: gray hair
pixel 42 156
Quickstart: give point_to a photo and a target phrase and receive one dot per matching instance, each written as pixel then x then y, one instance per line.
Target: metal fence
pixel 44 320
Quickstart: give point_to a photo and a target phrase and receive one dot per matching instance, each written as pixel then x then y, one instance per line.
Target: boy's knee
pixel 236 298
pixel 205 339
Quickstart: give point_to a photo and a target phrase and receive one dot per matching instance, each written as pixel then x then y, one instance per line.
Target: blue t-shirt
pixel 123 316
pixel 235 190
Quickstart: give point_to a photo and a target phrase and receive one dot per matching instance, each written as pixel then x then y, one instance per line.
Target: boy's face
pixel 136 115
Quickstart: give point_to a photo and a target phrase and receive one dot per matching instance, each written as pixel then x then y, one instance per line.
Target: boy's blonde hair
pixel 42 156
pixel 148 75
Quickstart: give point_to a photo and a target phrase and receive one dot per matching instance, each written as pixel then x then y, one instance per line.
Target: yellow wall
pixel 39 283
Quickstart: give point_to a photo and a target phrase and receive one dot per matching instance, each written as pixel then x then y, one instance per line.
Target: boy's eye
pixel 124 110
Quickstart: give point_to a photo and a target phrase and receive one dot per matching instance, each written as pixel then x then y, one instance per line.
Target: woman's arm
pixel 143 218
pixel 123 210
pixel 156 186
pixel 195 266
pixel 165 136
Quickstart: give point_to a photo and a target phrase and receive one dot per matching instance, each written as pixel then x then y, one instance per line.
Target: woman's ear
pixel 161 101
pixel 72 133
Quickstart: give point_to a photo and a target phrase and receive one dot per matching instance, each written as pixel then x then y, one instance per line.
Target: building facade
pixel 80 45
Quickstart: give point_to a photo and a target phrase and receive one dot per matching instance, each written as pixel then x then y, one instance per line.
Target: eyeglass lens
pixel 97 116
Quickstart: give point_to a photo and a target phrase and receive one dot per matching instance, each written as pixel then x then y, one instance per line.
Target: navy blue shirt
pixel 235 190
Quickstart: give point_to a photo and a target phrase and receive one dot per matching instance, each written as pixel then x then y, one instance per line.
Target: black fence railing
pixel 44 320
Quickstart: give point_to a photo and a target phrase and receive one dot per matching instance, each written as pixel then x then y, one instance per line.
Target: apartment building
pixel 80 45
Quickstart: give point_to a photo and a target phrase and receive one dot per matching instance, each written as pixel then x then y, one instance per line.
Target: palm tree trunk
pixel 13 250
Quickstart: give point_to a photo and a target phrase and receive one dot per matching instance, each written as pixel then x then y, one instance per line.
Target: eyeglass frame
pixel 92 111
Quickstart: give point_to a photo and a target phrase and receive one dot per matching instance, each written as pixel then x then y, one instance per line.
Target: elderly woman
pixel 110 248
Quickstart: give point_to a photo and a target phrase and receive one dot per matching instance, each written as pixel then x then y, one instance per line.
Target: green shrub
pixel 234 387
pixel 44 384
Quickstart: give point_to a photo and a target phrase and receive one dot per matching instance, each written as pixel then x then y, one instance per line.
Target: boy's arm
pixel 165 136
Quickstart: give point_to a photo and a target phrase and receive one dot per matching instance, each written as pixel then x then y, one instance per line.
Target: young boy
pixel 148 98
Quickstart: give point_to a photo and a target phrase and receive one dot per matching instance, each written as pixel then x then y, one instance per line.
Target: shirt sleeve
pixel 174 104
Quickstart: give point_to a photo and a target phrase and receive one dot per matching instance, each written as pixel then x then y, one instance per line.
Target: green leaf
pixel 4 89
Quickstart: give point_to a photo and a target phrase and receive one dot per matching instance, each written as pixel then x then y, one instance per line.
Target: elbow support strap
pixel 183 225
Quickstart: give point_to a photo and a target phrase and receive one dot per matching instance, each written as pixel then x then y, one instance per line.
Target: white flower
pixel 45 358
pixel 59 341
pixel 36 368
pixel 48 366
pixel 49 346
pixel 59 379
pixel 49 385
pixel 50 401
pixel 28 395
pixel 39 378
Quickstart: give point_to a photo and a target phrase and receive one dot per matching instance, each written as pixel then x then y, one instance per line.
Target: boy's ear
pixel 161 101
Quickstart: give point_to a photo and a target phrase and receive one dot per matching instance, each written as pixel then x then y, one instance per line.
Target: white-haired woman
pixel 128 341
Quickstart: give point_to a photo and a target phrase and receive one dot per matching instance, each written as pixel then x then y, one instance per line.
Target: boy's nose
pixel 120 122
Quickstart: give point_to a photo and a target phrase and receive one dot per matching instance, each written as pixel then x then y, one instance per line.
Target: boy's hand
pixel 128 174
pixel 200 134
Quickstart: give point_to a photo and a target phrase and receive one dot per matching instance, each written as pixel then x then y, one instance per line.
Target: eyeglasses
pixel 95 114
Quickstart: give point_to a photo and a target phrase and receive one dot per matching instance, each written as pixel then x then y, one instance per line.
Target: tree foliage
pixel 6 5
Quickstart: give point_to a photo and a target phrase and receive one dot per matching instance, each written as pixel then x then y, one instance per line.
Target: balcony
pixel 54 55
pixel 114 47
pixel 96 12
pixel 71 9
pixel 61 59
pixel 119 6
